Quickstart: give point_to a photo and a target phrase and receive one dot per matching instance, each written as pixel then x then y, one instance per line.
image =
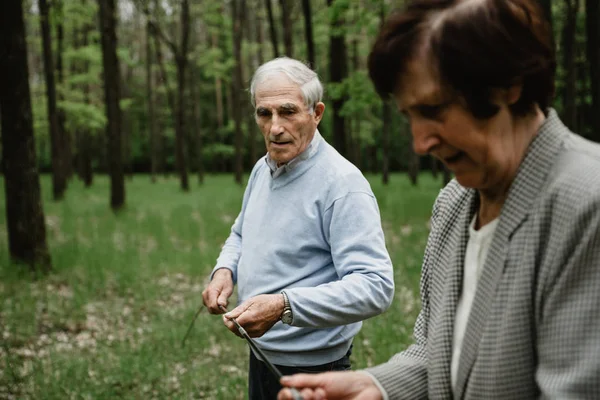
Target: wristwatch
pixel 286 316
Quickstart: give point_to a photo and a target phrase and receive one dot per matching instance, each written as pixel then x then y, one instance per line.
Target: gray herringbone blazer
pixel 534 329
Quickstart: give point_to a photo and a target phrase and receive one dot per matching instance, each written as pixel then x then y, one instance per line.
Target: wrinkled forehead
pixel 276 89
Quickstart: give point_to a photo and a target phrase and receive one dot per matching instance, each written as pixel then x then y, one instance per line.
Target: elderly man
pixel 307 250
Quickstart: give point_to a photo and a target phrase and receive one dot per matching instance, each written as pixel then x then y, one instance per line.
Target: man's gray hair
pixel 298 72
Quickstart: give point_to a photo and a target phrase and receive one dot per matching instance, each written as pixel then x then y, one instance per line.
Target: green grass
pixel 108 321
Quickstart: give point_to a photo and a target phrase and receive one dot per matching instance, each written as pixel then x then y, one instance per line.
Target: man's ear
pixel 318 112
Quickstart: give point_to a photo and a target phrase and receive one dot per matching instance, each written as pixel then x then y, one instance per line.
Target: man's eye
pixel 262 113
pixel 286 112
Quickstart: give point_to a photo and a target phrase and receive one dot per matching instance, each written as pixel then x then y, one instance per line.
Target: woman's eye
pixel 430 111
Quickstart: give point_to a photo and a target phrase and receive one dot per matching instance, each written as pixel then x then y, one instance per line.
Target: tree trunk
pixel 272 28
pixel 338 71
pixel 387 121
pixel 161 165
pixel 592 14
pixel 308 33
pixel 180 158
pixel 385 143
pixel 59 183
pixel 110 64
pixel 180 131
pixel 260 37
pixel 286 10
pixel 218 89
pixel 24 214
pixel 447 175
pixel 150 99
pixel 170 101
pixel 237 88
pixel 127 124
pixel 355 148
pixel 194 90
pixel 180 54
pixel 67 145
pixel 434 166
pixel 569 64
pixel 413 165
pixel 87 172
pixel 252 25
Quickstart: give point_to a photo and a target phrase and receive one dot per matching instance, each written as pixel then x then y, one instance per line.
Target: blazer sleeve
pixel 404 376
pixel 568 320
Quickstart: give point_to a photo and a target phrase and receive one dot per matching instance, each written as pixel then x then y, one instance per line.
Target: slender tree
pixel 150 103
pixel 286 10
pixel 218 88
pixel 24 213
pixel 569 64
pixel 59 182
pixel 338 71
pixel 413 162
pixel 447 175
pixel 180 54
pixel 272 28
pixel 386 119
pixel 308 33
pixel 86 140
pixel 237 88
pixel 592 14
pixel 435 166
pixel 67 144
pixel 110 63
pixel 197 112
pixel 252 28
pixel 385 142
pixel 259 36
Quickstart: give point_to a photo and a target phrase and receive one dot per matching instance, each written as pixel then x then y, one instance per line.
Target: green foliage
pixel 81 116
pixel 211 61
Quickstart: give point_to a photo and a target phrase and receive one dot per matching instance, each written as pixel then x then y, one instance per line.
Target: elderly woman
pixel 510 287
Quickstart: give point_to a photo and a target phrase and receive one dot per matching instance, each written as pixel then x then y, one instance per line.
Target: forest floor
pixel 109 320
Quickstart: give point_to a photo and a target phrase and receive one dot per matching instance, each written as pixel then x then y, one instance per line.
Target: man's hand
pixel 256 315
pixel 218 291
pixel 331 386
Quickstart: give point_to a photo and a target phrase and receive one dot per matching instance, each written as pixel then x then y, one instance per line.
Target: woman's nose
pixel 424 134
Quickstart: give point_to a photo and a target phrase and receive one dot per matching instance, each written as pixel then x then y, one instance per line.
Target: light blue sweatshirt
pixel 314 232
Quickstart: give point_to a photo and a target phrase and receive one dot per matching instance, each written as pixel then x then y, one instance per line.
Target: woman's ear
pixel 513 94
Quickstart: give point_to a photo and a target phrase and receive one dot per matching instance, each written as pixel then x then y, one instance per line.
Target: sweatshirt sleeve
pixel 231 250
pixel 365 288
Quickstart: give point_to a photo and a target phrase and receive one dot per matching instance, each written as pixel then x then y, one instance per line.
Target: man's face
pixel 284 120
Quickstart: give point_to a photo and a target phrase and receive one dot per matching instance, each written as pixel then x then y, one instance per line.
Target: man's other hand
pixel 256 315
pixel 218 291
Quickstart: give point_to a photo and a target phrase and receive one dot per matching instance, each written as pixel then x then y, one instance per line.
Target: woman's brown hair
pixel 476 46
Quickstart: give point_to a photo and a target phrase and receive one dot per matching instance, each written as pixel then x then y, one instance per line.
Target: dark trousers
pixel 263 385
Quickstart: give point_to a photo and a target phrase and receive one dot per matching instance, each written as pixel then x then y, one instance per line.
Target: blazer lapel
pixel 528 182
pixel 447 280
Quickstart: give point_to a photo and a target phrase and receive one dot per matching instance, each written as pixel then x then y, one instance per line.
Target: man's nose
pixel 424 134
pixel 276 127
